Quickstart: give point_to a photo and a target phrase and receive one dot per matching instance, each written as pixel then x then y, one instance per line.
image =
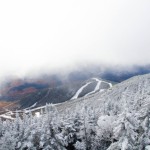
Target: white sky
pixel 37 34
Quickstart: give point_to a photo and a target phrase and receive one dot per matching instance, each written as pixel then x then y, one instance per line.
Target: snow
pixel 34 109
pixel 110 84
pixel 6 116
pixel 37 114
pixel 31 106
pixel 147 147
pixel 96 87
pixel 39 108
pixel 101 90
pixel 80 90
pixel 105 120
pixel 9 113
pixel 98 83
pixel 124 144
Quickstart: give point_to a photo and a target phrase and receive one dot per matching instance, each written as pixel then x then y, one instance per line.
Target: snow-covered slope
pixel 96 87
pixel 123 112
pixel 80 90
pixel 88 88
pixel 132 94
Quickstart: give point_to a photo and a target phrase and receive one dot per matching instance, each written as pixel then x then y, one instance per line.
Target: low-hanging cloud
pixel 54 34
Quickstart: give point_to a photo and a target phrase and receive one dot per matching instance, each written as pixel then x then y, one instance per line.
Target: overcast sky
pixel 37 34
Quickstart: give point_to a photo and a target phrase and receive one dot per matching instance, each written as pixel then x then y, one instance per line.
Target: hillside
pixel 115 119
pixel 45 93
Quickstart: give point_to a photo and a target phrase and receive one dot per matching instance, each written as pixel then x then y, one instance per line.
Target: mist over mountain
pixel 75 75
pixel 115 73
pixel 59 87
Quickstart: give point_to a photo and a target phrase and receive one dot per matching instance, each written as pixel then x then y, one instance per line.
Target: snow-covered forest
pixel 79 129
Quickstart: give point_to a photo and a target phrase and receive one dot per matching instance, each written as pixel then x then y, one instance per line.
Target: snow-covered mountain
pixel 114 119
pixel 132 94
pixel 57 94
pixel 92 86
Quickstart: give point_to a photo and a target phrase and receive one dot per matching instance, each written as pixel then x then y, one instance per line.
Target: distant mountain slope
pixel 16 89
pixel 92 86
pixel 25 93
pixel 64 92
pixel 45 93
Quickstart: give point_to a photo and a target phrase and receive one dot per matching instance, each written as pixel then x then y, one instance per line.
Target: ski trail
pixel 98 84
pixel 110 85
pixel 96 87
pixel 31 106
pixel 6 116
pixel 80 90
